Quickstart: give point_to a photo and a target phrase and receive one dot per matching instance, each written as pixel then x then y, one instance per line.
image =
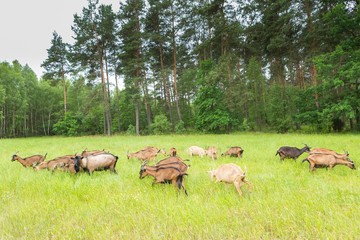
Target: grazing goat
pixel 29 161
pixel 164 174
pixel 56 163
pixel 327 160
pixel 175 162
pixel 146 154
pixel 291 152
pixel 196 151
pixel 86 153
pixel 234 152
pixel 230 173
pixel 211 152
pixel 103 161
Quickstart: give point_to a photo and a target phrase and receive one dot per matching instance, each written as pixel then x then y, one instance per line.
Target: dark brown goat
pixel 291 152
pixel 29 161
pixel 234 152
pixel 164 174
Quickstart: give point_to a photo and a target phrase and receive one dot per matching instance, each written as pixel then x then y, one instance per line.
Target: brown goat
pixel 164 174
pixel 175 162
pixel 146 154
pixel 327 160
pixel 172 152
pixel 29 161
pixel 56 163
pixel 86 153
pixel 329 152
pixel 234 152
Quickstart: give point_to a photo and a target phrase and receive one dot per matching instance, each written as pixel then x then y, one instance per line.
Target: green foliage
pixel 131 130
pixel 161 125
pixel 211 113
pixel 245 126
pixel 68 126
pixel 180 127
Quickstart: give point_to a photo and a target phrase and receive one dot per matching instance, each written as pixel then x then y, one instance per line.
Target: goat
pixel 329 152
pixel 234 152
pixel 175 162
pixel 155 150
pixel 164 174
pixel 327 160
pixel 56 163
pixel 103 161
pixel 146 154
pixel 86 153
pixel 211 152
pixel 29 161
pixel 172 152
pixel 291 152
pixel 230 173
pixel 196 151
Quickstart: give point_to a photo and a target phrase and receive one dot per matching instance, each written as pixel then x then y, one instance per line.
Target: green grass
pixel 287 201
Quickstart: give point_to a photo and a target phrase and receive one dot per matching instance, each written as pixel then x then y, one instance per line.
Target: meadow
pixel 287 202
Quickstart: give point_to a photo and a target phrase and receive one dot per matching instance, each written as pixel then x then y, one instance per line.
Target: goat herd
pixel 172 169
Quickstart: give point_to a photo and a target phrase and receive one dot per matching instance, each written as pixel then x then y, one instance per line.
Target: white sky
pixel 26 27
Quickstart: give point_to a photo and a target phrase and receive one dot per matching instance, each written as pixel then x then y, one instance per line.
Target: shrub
pixel 161 124
pixel 68 126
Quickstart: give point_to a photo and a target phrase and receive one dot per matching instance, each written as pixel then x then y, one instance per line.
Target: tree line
pixel 165 66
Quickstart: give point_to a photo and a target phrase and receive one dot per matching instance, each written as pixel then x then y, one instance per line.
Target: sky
pixel 27 27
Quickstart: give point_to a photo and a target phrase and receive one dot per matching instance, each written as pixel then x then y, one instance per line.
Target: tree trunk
pixel 117 97
pixel 109 118
pixel 174 65
pixel 106 126
pixel 64 89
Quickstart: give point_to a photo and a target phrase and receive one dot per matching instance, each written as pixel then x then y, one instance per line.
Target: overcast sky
pixel 27 25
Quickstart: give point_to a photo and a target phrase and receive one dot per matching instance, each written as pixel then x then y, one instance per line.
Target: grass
pixel 287 202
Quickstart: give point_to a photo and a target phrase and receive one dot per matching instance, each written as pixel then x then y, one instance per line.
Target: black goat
pixel 291 152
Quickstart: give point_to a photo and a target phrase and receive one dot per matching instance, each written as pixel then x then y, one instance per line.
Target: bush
pixel 131 130
pixel 161 124
pixel 68 126
pixel 180 127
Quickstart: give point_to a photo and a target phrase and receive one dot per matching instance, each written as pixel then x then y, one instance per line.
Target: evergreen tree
pixel 131 15
pixel 57 64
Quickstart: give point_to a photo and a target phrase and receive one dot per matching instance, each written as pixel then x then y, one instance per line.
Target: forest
pixel 180 66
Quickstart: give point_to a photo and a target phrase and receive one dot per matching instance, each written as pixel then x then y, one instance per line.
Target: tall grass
pixel 287 201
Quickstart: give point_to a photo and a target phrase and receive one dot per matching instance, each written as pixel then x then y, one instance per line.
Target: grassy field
pixel 287 201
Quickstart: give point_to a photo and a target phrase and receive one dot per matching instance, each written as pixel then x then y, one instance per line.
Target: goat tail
pixel 277 153
pixel 305 160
